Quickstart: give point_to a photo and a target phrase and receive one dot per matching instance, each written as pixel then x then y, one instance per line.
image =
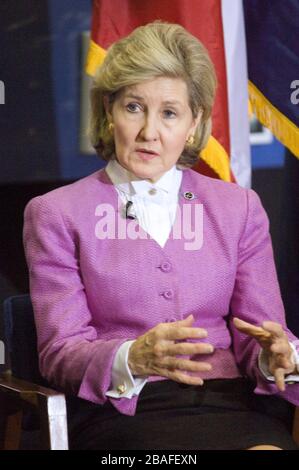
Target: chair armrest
pixel 27 391
pixel 49 403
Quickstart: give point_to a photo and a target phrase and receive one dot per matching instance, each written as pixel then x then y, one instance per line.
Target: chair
pixel 25 399
pixel 22 389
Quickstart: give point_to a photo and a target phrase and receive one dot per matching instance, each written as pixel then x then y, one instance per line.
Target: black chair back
pixel 20 336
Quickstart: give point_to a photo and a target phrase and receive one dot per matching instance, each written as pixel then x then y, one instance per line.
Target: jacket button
pixel 168 294
pixel 152 191
pixel 166 267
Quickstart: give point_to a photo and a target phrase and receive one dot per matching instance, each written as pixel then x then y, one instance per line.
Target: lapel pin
pixel 189 195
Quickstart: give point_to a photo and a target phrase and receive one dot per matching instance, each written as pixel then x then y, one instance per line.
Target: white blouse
pixel 153 204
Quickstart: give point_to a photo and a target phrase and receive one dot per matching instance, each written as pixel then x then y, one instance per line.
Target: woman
pixel 154 287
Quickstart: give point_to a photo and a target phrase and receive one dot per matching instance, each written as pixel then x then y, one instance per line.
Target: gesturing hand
pixel 275 342
pixel 155 352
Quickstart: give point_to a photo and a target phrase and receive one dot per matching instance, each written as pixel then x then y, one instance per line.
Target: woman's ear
pixel 196 120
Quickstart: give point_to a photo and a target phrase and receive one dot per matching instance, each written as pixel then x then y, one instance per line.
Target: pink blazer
pixel 91 294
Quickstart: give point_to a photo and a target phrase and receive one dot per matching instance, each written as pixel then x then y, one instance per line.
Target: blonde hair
pixel 158 49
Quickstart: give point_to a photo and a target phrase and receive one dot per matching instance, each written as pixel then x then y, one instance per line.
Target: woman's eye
pixel 135 107
pixel 132 107
pixel 169 114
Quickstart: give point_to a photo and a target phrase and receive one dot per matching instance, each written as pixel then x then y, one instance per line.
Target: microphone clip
pixel 129 211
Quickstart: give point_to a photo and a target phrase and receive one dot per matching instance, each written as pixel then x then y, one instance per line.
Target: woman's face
pixel 152 121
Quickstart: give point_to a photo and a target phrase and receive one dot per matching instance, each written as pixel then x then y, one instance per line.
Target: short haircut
pixel 158 49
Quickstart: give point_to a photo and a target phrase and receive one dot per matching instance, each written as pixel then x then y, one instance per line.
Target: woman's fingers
pixel 186 348
pixel 279 375
pixel 281 356
pixel 173 332
pixel 267 330
pixel 180 377
pixel 256 331
pixel 273 339
pixel 156 351
pixel 280 347
pixel 270 334
pixel 184 364
pixel 274 328
pixel 180 329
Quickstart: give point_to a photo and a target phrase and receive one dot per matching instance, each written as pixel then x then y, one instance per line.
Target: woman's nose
pixel 149 130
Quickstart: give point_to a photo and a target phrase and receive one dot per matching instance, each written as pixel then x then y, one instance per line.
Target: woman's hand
pixel 155 352
pixel 275 342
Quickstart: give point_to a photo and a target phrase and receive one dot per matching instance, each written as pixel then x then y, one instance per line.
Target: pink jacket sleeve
pixel 256 296
pixel 72 355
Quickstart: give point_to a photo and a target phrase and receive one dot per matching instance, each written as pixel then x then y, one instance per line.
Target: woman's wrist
pixel 131 361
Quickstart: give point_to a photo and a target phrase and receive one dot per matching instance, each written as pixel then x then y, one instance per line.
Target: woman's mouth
pixel 146 154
